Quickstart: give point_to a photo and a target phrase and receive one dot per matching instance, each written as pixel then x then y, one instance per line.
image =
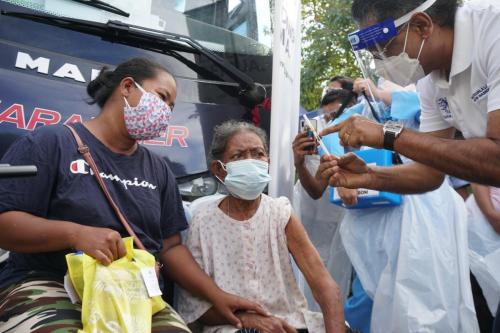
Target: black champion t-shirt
pixel 142 185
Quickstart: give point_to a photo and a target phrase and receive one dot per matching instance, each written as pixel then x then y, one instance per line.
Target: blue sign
pixel 377 33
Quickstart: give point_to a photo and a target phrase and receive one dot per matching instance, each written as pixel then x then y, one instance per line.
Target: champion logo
pixel 81 167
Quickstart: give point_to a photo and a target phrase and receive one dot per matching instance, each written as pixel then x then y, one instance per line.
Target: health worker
pixel 402 252
pixel 457 50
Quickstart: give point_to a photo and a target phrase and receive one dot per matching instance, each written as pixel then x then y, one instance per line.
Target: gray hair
pixel 442 12
pixel 225 131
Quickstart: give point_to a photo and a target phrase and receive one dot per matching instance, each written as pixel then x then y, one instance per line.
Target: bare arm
pixel 483 200
pixel 475 160
pixel 325 290
pixel 313 186
pixel 406 179
pixel 185 271
pixel 23 232
pixel 351 172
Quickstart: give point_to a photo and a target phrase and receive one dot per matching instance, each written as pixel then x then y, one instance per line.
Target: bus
pixel 219 51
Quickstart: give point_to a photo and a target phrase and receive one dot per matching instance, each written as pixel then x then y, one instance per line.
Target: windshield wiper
pixel 250 93
pixel 104 6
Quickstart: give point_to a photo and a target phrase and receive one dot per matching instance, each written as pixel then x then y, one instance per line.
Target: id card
pixel 151 281
pixel 68 286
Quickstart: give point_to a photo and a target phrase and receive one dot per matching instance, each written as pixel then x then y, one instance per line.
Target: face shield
pixel 371 44
pixel 327 112
pixel 333 104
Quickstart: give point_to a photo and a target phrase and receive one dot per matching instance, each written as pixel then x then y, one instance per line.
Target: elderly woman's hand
pixel 265 324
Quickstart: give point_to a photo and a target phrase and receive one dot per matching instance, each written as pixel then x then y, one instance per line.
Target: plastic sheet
pixel 413 262
pixel 484 246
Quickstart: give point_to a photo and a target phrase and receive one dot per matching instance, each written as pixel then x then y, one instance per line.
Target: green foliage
pixel 326 51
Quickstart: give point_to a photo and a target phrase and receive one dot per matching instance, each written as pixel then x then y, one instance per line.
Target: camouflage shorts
pixel 43 306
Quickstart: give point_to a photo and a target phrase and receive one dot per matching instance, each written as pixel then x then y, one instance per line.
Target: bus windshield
pixel 226 26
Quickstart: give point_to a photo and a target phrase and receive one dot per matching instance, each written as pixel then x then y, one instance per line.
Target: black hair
pixel 140 69
pixel 442 11
pixel 345 82
pixel 334 95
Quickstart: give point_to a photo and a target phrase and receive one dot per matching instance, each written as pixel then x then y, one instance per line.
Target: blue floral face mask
pixel 246 179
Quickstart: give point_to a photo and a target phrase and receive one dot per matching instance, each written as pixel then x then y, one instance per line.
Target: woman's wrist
pixel 213 294
pixel 373 178
pixel 300 163
pixel 72 232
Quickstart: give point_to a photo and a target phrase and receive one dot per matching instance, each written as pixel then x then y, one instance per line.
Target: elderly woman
pixel 244 240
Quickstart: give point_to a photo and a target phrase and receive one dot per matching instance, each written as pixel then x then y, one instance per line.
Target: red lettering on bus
pixel 14 114
pixel 43 116
pixel 179 133
pixel 158 142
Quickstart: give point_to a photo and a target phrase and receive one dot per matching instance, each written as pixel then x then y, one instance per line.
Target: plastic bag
pixel 413 262
pixel 115 297
pixel 484 246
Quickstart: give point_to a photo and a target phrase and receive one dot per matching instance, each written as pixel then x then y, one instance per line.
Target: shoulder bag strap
pixel 85 152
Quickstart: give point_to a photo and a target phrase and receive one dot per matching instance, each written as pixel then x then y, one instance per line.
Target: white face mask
pixel 246 179
pixel 401 69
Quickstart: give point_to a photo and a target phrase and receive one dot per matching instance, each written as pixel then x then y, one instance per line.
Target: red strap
pixel 85 151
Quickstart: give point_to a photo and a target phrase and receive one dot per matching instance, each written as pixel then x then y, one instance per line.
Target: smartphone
pixel 303 127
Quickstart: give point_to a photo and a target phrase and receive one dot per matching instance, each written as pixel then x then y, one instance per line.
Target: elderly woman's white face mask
pixel 246 179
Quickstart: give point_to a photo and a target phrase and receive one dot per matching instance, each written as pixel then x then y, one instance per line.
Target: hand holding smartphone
pixel 317 138
pixel 304 127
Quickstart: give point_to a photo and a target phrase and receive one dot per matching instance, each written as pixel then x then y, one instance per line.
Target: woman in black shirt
pixel 63 209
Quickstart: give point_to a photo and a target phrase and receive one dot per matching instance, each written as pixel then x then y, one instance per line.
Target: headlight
pixel 198 187
pixel 4 254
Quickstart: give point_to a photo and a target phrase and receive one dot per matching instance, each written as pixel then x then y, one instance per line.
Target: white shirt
pixel 473 89
pixel 249 259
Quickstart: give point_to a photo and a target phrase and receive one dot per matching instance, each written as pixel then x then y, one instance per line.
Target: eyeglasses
pixel 379 53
